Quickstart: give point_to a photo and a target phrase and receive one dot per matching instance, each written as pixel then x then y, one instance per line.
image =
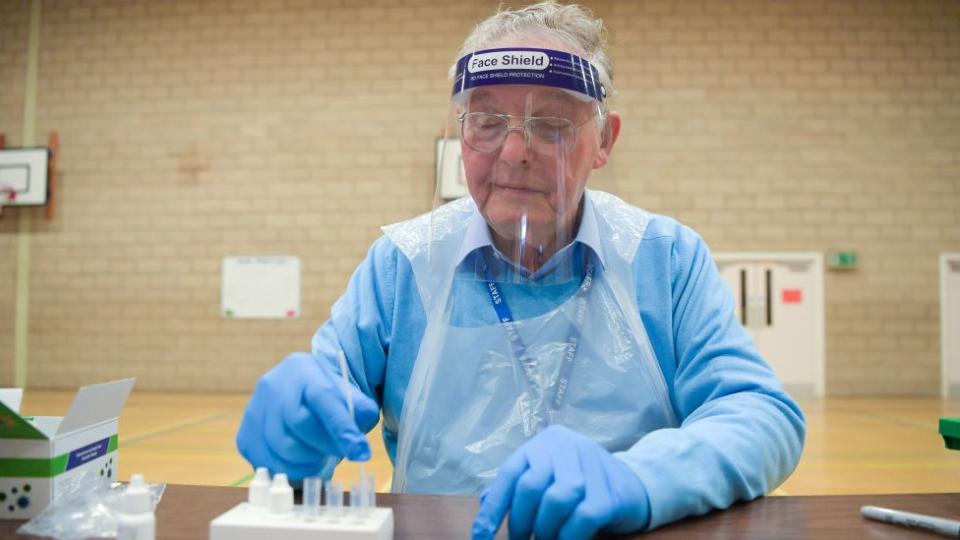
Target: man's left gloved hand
pixel 561 484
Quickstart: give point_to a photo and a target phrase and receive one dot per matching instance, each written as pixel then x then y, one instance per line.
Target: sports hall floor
pixel 853 445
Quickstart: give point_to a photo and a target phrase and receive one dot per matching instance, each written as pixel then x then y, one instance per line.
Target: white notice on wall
pixel 260 288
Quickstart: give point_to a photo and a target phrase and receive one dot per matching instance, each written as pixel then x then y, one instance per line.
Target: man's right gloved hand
pixel 298 417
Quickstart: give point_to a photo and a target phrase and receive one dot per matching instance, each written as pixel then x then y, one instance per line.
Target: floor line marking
pixel 190 422
pixel 241 481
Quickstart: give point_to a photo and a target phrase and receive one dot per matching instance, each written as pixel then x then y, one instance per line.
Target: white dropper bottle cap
pixel 136 498
pixel 257 492
pixel 280 495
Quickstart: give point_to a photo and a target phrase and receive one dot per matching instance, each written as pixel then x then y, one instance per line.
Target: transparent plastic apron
pixel 474 396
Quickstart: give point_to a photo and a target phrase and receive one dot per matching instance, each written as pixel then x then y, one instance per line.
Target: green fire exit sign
pixel 843 260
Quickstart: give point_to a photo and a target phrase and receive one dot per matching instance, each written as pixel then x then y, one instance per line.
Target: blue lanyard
pixel 519 348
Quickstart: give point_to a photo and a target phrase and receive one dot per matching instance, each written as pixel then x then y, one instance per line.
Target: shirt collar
pixel 478 234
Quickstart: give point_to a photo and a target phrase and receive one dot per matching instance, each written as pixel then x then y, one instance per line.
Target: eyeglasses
pixel 485 132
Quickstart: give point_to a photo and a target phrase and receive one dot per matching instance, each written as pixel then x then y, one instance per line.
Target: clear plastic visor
pixel 523 154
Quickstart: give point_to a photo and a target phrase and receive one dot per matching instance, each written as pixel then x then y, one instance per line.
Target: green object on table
pixel 950 429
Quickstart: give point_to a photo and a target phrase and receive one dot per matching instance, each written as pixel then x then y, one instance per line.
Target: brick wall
pixel 195 130
pixel 812 126
pixel 13 62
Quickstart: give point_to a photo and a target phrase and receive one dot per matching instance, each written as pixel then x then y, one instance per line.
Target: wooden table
pixel 185 513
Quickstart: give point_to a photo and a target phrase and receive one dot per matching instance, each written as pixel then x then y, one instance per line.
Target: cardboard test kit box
pixel 40 455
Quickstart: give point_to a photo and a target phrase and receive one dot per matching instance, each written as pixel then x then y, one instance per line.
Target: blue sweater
pixel 740 436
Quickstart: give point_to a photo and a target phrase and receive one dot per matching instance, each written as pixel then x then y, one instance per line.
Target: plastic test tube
pixel 311 496
pixel 360 488
pixel 334 493
pixel 363 494
pixel 371 491
pixel 356 496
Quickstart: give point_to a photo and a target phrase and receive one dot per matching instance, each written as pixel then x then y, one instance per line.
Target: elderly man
pixel 573 359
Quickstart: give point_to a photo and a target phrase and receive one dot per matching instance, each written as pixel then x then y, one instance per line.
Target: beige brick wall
pixel 13 47
pixel 195 130
pixel 813 126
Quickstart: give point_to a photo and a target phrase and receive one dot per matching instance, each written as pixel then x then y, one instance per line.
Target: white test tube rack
pixel 269 512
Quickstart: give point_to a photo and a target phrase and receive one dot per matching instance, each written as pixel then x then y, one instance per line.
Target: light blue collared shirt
pixel 740 433
pixel 477 237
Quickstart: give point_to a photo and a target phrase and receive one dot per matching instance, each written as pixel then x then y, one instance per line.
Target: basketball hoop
pixel 7 196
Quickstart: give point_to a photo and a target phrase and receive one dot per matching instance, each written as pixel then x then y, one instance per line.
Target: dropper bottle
pixel 258 492
pixel 136 521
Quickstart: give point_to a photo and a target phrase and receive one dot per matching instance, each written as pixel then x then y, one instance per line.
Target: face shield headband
pixel 543 67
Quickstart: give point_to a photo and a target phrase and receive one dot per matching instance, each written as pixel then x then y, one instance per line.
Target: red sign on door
pixel 792 296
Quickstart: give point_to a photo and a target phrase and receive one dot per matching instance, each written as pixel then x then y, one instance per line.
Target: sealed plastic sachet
pixel 87 509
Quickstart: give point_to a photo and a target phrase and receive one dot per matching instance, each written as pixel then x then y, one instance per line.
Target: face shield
pixel 525 126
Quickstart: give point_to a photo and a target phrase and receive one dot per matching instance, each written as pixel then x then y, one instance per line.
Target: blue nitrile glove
pixel 298 418
pixel 561 484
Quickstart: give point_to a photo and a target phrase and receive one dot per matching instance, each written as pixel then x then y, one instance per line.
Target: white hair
pixel 571 24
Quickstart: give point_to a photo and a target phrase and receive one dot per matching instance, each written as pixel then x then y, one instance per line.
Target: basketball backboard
pixel 23 171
